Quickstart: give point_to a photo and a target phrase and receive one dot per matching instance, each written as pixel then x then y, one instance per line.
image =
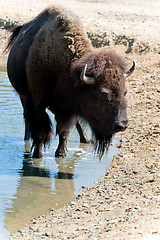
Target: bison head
pixel 99 83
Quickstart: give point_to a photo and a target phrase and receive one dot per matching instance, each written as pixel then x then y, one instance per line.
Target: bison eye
pixel 125 91
pixel 103 94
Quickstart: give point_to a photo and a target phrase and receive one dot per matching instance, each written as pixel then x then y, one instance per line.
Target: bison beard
pixel 101 143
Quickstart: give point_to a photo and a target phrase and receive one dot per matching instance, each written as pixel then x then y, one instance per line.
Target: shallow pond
pixel 29 187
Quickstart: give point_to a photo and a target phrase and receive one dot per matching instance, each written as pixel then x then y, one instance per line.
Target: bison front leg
pixel 61 149
pixel 64 123
pixel 82 133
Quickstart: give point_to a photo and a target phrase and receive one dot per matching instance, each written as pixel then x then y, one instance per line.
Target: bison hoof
pixel 60 153
pixel 37 154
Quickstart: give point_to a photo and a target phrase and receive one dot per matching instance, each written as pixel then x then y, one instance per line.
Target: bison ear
pixel 130 71
pixel 86 80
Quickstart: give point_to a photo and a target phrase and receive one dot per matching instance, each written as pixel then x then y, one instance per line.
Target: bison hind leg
pixel 27 131
pixel 24 99
pixel 40 126
pixel 27 136
pixel 41 133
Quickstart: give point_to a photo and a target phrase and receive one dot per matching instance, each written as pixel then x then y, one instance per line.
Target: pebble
pixel 85 205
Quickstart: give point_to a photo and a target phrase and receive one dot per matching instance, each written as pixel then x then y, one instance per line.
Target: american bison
pixel 52 64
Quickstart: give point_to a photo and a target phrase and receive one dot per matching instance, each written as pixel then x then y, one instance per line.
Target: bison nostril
pixel 120 126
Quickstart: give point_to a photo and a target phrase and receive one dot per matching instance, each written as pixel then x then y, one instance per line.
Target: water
pixel 29 187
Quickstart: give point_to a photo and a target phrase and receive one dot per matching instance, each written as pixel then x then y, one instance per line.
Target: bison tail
pixel 15 31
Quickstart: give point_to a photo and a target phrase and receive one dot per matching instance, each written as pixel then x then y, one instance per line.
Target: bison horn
pixel 130 71
pixel 85 79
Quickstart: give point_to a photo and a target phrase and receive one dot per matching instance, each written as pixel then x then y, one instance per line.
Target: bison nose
pixel 120 126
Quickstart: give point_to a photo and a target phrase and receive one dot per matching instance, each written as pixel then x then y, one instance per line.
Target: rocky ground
pixel 126 203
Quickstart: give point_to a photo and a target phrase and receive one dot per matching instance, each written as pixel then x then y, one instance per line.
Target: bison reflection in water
pixel 52 64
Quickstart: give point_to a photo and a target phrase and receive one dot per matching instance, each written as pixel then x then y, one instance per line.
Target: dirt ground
pixel 125 204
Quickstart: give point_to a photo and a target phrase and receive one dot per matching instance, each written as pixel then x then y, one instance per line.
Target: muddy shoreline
pixel 126 203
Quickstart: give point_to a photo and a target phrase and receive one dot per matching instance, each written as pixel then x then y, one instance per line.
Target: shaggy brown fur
pixel 44 66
